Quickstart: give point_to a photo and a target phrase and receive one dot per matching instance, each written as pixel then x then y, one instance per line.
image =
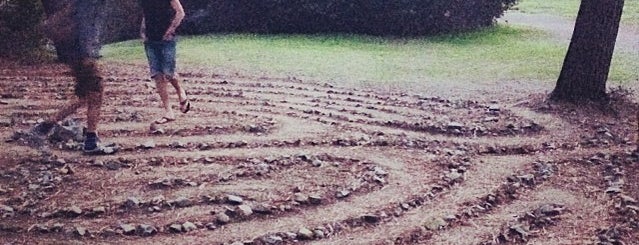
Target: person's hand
pixel 168 36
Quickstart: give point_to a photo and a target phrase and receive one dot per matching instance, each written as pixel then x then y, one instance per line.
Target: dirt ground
pixel 286 161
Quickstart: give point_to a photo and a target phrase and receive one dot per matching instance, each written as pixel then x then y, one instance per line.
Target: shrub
pixel 376 17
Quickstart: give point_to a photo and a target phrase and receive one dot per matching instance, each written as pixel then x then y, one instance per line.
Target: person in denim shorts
pixel 73 26
pixel 161 19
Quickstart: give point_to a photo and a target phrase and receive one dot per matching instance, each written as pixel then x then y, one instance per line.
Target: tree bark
pixel 587 64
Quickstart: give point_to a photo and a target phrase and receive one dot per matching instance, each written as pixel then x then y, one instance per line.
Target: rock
pixel 305 234
pixel 300 198
pixel 6 211
pixel 494 108
pixel 211 226
pixel 132 202
pixel 157 200
pixel 272 239
pixel 628 199
pixel 150 144
pixel 42 228
pixel 613 189
pixel 188 226
pixel 315 199
pixel 99 210
pixel 222 218
pixel 455 125
pixel 434 223
pixel 5 122
pixel 147 230
pixel 178 144
pixel 318 233
pixel 244 210
pixel 521 230
pixel 127 229
pixel 454 175
pixel 263 209
pixel 74 211
pixel 233 199
pixel 57 227
pixel 550 209
pixel 182 202
pixel 80 231
pixel 380 172
pixel 370 218
pixel 177 228
pixel 342 194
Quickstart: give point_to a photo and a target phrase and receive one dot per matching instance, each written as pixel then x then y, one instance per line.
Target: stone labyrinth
pixel 283 161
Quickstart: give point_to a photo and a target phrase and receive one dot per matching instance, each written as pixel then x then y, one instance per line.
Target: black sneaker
pixel 92 146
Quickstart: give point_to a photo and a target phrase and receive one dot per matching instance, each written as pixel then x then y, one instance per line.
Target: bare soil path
pixel 285 161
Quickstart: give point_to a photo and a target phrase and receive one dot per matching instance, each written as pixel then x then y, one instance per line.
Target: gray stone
pixel 262 209
pixel 42 228
pixel 315 199
pixel 147 230
pixel 613 189
pixel 233 199
pixel 127 229
pixel 80 231
pixel 99 210
pixel 301 198
pixel 628 199
pixel 5 122
pixel 74 211
pixel 222 218
pixel 175 228
pixel 370 218
pixel 157 200
pixel 150 144
pixel 455 125
pixel 132 202
pixel 244 210
pixel 305 234
pixel 342 194
pixel 182 202
pixel 318 233
pixel 57 227
pixel 435 223
pixel 211 226
pixel 454 175
pixel 188 226
pixel 272 239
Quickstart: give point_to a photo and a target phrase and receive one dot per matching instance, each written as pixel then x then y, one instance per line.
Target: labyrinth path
pixel 285 161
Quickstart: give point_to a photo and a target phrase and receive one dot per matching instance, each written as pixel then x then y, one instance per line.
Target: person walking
pixel 73 26
pixel 160 20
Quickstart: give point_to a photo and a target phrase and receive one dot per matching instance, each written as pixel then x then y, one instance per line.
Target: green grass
pixel 491 55
pixel 570 8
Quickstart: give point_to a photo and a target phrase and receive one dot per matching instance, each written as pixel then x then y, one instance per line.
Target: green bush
pixel 376 17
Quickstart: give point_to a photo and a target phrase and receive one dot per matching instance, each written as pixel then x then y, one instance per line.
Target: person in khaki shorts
pixel 160 20
pixel 73 25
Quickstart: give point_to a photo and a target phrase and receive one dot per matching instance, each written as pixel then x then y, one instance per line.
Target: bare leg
pixel 94 103
pixel 67 110
pixel 161 83
pixel 178 88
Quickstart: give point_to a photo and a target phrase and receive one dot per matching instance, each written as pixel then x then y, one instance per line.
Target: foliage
pixel 376 17
pixel 20 34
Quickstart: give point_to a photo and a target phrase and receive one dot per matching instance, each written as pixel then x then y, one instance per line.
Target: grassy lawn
pixel 495 54
pixel 569 8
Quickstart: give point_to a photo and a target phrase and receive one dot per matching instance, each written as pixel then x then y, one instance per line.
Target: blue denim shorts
pixel 161 56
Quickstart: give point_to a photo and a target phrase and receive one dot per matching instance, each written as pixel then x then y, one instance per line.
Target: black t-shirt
pixel 158 15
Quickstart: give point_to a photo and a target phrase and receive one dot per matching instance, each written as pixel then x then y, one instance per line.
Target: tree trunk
pixel 587 63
